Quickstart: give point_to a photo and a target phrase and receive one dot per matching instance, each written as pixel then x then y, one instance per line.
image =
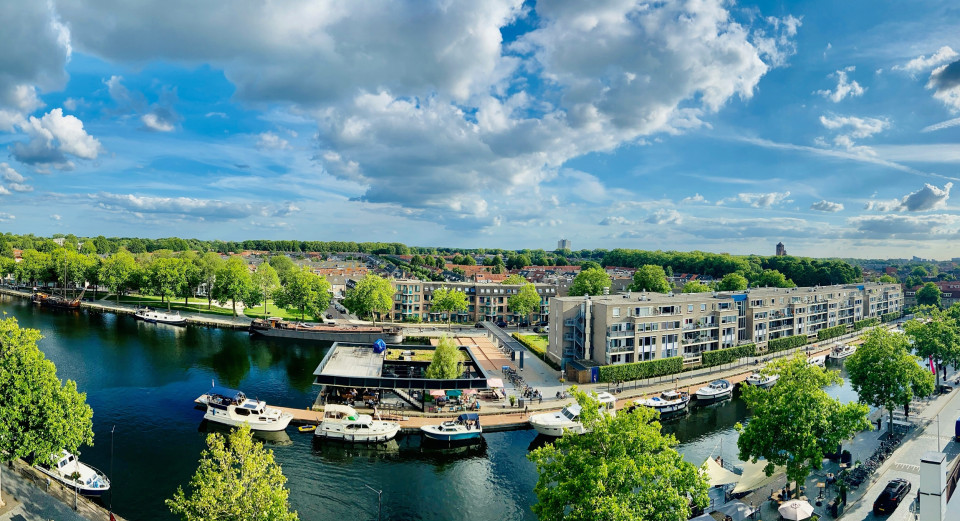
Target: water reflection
pixel 280 438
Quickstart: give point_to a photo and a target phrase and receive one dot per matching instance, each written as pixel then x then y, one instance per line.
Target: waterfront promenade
pixel 27 498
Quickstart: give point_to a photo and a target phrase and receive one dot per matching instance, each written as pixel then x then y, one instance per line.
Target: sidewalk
pixel 31 503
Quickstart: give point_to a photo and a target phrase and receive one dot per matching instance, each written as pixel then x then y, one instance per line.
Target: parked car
pixel 524 324
pixel 888 501
pixel 538 329
pixel 479 325
pixel 501 323
pixel 329 315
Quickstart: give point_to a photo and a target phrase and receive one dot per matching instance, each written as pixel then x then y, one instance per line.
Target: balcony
pixel 620 334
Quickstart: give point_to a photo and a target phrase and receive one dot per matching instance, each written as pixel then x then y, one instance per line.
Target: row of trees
pixel 592 279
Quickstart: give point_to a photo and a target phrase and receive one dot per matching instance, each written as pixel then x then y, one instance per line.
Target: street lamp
pixel 111 471
pixel 379 499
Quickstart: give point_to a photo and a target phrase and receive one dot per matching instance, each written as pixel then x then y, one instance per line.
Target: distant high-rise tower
pixel 563 244
pixel 781 249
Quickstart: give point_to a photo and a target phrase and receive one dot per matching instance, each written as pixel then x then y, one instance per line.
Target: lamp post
pixel 111 471
pixel 379 499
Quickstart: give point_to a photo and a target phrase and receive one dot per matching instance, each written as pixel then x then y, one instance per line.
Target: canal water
pixel 141 380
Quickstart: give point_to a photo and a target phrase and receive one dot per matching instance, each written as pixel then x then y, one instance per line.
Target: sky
pixel 704 124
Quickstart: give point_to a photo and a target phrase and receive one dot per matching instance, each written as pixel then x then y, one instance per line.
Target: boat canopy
pixel 470 416
pixel 232 394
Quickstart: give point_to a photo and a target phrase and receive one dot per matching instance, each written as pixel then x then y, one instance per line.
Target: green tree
pixel 372 294
pixel 650 277
pixel 733 282
pixel 265 279
pixel 237 480
pixel 514 278
pixel 590 281
pixel 885 374
pixel 166 278
pixel 232 282
pixel 774 279
pixel 88 248
pixel 40 415
pixel 102 245
pixel 210 262
pixel 446 363
pixel 695 286
pixel 284 266
pixel 191 270
pixel 449 301
pixel 796 422
pixel 929 295
pixel 7 267
pixel 887 279
pixel 116 271
pixel 920 271
pixel 524 301
pixel 304 291
pixel 623 469
pixel 935 336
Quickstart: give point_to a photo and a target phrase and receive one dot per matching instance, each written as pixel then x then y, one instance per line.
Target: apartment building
pixel 634 327
pixel 484 301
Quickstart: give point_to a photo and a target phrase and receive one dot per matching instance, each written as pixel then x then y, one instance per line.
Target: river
pixel 141 379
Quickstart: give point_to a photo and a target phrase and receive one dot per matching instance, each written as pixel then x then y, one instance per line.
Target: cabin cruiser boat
pixel 841 351
pixel 342 422
pixel 820 360
pixel 465 427
pixel 67 470
pixel 762 381
pixel 233 408
pixel 160 317
pixel 668 402
pixel 717 390
pixel 567 420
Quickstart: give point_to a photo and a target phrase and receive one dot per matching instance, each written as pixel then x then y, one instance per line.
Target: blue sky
pixel 830 126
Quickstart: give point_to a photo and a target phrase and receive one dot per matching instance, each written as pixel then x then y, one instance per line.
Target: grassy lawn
pixel 195 305
pixel 274 311
pixel 539 342
pixel 419 355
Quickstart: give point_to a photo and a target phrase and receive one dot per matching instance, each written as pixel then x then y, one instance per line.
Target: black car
pixel 501 324
pixel 479 325
pixel 892 495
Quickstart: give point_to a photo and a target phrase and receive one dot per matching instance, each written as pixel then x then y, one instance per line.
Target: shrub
pixel 779 344
pixel 831 332
pixel 730 354
pixel 641 370
pixel 414 319
pixel 535 349
pixel 890 317
pixel 857 326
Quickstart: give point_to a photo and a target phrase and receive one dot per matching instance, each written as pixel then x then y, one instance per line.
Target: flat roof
pixel 354 360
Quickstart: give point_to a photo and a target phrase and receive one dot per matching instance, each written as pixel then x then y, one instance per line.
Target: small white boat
pixel 465 427
pixel 841 351
pixel 67 469
pixel 567 420
pixel 342 422
pixel 231 407
pixel 820 360
pixel 160 317
pixel 668 402
pixel 762 381
pixel 717 390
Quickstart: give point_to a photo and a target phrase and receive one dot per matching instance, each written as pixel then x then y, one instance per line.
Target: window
pixel 703 307
pixel 689 308
pixel 616 312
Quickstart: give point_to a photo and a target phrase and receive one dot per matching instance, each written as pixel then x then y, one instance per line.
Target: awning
pixel 469 391
pixel 717 475
pixel 753 476
pixel 454 392
pixel 737 510
pixel 436 392
pixel 494 382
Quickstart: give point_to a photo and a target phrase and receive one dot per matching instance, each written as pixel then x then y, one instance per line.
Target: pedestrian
pixel 526 409
pixel 879 422
pixel 541 399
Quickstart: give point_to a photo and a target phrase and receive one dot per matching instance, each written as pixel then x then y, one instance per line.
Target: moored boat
pixel 52 301
pixel 233 408
pixel 762 381
pixel 667 402
pixel 277 327
pixel 717 390
pixel 67 470
pixel 820 360
pixel 342 422
pixel 841 351
pixel 567 420
pixel 160 317
pixel 465 427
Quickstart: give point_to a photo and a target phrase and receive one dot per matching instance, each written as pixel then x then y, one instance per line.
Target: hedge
pixel 641 370
pixel 857 326
pixel 831 332
pixel 725 356
pixel 779 344
pixel 890 317
pixel 535 349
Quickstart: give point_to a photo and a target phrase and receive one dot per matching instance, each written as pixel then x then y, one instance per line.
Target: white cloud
pixel 899 226
pixel 945 82
pixel 215 115
pixel 922 63
pixel 927 198
pixel 942 125
pixel 4 191
pixel 6 217
pixel 695 198
pixel 271 141
pixel 664 216
pixel 54 137
pixel 156 121
pixel 826 206
pixel 55 217
pixel 844 88
pixel 616 220
pixel 850 127
pixel 187 207
pixel 34 50
pixel 9 174
pixel 758 200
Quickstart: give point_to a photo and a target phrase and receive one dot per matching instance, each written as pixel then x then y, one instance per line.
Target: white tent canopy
pixel 753 476
pixel 737 510
pixel 717 475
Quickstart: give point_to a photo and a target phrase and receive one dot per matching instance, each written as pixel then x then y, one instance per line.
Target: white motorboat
pixel 160 317
pixel 342 422
pixel 67 469
pixel 667 402
pixel 466 427
pixel 717 390
pixel 762 381
pixel 233 408
pixel 567 420
pixel 820 360
pixel 841 351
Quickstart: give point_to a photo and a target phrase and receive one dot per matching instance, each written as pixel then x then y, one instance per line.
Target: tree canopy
pixel 796 422
pixel 929 295
pixel 695 286
pixel 304 291
pixel 524 301
pixel 232 282
pixel 372 294
pixel 449 301
pixel 935 336
pixel 733 282
pixel 446 361
pixel 623 469
pixel 773 279
pixel 237 480
pixel 514 278
pixel 590 281
pixel 650 278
